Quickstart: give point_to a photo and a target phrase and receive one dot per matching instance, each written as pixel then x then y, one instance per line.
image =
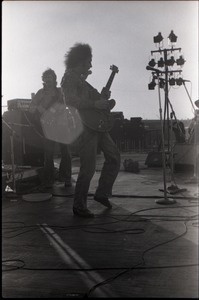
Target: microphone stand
pixel 173 188
pixel 195 178
pixel 196 168
pixel 188 95
pixel 12 154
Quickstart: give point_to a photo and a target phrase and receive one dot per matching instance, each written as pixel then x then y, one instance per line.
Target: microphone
pixel 84 76
pixel 184 80
pixel 153 69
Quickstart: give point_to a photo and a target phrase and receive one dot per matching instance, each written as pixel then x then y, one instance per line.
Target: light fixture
pixel 171 61
pixel 172 81
pixel 158 38
pixel 197 103
pixel 172 37
pixel 161 62
pixel 179 81
pixel 152 63
pixel 161 83
pixel 166 60
pixel 180 61
pixel 151 85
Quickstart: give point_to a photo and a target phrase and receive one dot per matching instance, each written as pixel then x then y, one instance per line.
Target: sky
pixel 37 34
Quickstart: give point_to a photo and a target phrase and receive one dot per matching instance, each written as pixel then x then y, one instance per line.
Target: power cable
pixel 10 267
pixel 110 279
pixel 124 219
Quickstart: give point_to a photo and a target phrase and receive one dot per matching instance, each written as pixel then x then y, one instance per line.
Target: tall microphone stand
pixel 195 178
pixel 12 154
pixel 173 188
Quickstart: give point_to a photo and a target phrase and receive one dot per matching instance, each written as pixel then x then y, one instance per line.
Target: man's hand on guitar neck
pixel 106 94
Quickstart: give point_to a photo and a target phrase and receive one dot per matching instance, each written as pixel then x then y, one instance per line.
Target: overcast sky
pixel 37 34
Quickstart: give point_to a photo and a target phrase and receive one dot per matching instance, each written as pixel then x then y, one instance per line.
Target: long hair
pixel 77 54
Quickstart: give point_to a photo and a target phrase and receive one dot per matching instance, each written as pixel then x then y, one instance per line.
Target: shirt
pixel 77 92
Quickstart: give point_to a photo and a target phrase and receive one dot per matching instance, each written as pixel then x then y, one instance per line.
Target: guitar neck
pixel 110 81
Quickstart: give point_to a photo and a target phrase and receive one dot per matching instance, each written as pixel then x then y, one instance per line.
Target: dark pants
pixel 65 167
pixel 88 144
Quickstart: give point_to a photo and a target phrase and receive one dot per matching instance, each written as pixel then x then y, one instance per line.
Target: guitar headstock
pixel 114 69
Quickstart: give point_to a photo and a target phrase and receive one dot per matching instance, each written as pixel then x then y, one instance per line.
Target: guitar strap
pixel 36 127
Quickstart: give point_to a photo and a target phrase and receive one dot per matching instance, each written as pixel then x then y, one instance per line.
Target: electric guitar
pixel 96 119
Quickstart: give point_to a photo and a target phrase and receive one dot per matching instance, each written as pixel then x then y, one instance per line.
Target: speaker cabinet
pixel 154 159
pixel 185 156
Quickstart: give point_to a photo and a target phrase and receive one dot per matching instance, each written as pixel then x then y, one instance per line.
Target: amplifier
pixel 154 159
pixel 27 144
pixel 185 156
pixel 18 104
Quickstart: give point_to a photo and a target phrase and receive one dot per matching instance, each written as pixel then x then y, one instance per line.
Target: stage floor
pixel 139 248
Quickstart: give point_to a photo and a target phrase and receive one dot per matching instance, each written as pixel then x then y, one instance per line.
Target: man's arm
pixel 35 105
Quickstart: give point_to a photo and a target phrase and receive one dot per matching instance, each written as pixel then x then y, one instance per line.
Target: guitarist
pixel 42 101
pixel 79 94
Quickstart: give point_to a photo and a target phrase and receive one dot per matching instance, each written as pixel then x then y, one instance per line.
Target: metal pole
pixel 195 178
pixel 165 200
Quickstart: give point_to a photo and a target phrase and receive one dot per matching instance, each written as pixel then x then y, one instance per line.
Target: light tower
pixel 166 74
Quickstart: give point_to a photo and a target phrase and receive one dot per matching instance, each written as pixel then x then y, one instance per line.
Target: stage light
pixel 172 37
pixel 152 63
pixel 171 61
pixel 172 81
pixel 197 103
pixel 161 62
pixel 180 61
pixel 152 84
pixel 179 81
pixel 158 38
pixel 161 83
